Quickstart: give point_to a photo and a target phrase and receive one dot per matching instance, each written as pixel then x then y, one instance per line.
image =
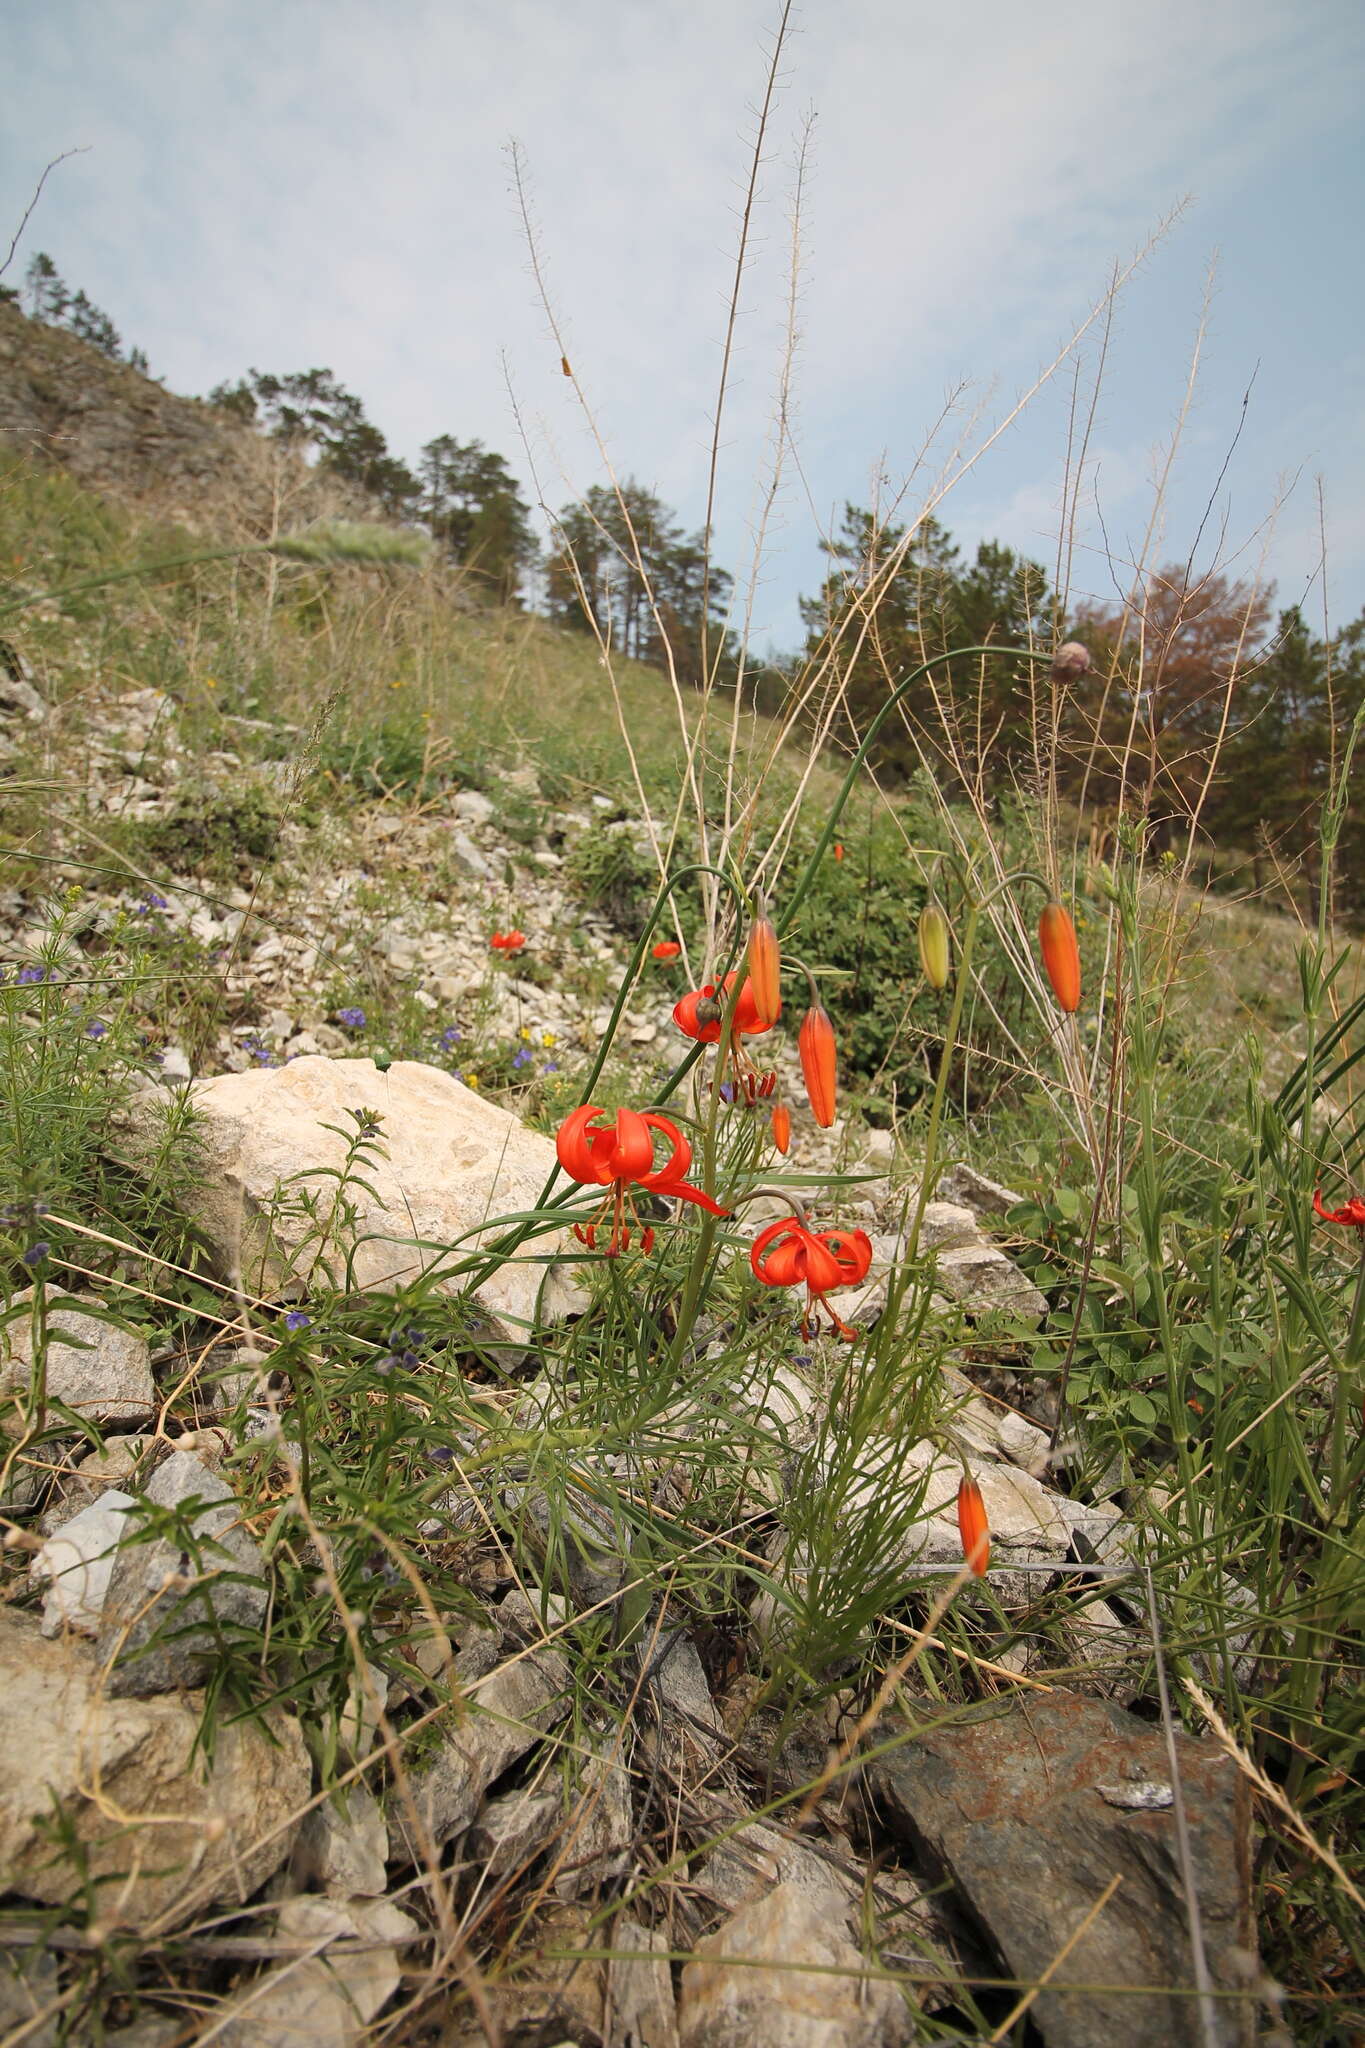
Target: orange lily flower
pixel 507 942
pixel 618 1156
pixel 667 949
pixel 1353 1215
pixel 786 1254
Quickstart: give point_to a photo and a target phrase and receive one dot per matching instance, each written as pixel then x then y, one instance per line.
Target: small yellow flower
pixel 210 682
pixel 548 1038
pixel 471 1080
pixel 525 1033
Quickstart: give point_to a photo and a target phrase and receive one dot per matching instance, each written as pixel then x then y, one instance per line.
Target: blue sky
pixel 293 184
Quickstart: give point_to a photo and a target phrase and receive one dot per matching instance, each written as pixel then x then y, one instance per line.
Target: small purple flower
pixel 549 1068
pixel 727 1091
pixel 35 1254
pixel 451 1036
pixel 96 1030
pixel 353 1019
pixel 441 1454
pixel 152 900
pixel 28 975
pixel 297 1320
pixel 521 1058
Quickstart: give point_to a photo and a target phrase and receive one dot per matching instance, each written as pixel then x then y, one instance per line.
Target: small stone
pixel 466 856
pixel 507 1711
pixel 472 807
pixel 75 1565
pixel 95 1366
pixel 512 1831
pixel 158 1590
pixel 343 1845
pixel 641 2009
pixel 328 1999
pixel 741 1990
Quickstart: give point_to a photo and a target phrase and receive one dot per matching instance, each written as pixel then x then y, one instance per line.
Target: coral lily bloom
pixel 1353 1214
pixel 698 1015
pixel 667 949
pixel 819 1064
pixel 618 1156
pixel 507 942
pixel 973 1527
pixel 786 1254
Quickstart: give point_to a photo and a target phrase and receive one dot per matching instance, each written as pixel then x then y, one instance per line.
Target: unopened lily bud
pixel 819 1063
pixel 1070 660
pixel 782 1127
pixel 765 970
pixel 973 1527
pixel 1061 956
pixel 935 945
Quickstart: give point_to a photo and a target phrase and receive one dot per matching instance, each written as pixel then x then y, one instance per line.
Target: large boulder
pixel 443 1166
pixel 155 1834
pixel 1032 1807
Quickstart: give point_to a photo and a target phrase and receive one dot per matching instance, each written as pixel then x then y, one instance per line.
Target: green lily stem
pixel 61 591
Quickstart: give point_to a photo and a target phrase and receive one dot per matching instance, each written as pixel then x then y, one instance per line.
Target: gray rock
pixel 754 1858
pixel 343 1845
pixel 446 1164
pixel 640 2008
pixel 329 1999
pixel 971 1269
pixel 741 1990
pixel 963 1184
pixel 466 856
pixel 75 1565
pixel 512 1831
pixel 170 1604
pixel 688 1731
pixel 574 1543
pixel 95 1366
pixel 507 1712
pixel 1012 1805
pixel 472 807
pixel 29 1989
pixel 598 1833
pixel 162 1835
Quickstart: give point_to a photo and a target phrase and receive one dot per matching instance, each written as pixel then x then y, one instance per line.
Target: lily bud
pixel 1061 956
pixel 819 1063
pixel 973 1527
pixel 765 970
pixel 935 945
pixel 1070 660
pixel 782 1127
